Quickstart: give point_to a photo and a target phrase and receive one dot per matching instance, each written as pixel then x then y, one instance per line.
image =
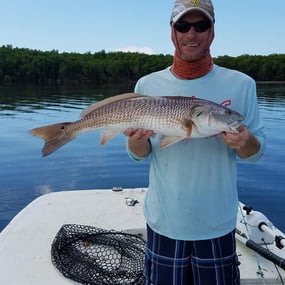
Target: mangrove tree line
pixel 21 65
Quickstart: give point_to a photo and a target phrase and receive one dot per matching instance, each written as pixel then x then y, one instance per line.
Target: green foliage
pixel 261 68
pixel 20 65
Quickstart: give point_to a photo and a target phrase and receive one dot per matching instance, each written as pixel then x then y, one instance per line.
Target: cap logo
pixel 196 1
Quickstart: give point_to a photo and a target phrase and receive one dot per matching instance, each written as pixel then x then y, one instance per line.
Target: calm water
pixel 83 164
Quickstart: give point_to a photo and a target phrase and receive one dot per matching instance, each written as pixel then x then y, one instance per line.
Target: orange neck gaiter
pixel 191 69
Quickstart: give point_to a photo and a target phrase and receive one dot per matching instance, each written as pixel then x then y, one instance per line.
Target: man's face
pixel 192 44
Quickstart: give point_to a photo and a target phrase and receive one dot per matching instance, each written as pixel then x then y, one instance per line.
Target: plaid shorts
pixel 204 262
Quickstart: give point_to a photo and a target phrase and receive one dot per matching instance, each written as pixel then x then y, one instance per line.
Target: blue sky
pixel 242 26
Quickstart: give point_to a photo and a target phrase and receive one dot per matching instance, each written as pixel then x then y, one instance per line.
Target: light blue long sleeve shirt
pixel 192 193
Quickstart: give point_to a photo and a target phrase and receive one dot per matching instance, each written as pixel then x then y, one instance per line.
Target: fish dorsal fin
pixel 110 100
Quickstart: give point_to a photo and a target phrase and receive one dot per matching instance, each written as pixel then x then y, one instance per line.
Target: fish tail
pixel 55 136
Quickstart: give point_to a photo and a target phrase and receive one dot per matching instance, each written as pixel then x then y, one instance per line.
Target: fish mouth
pixel 233 126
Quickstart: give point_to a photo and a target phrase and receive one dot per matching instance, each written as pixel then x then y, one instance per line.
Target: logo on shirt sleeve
pixel 226 103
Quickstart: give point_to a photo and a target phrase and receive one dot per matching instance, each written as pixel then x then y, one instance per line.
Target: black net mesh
pixel 91 255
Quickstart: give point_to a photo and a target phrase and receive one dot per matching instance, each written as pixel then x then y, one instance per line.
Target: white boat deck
pixel 25 243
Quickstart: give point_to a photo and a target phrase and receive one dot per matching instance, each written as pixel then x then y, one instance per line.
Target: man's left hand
pixel 243 142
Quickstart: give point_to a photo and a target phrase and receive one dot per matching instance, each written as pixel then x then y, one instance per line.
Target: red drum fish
pixel 174 117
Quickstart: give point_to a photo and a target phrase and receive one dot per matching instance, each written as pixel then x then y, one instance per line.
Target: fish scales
pixel 146 112
pixel 175 118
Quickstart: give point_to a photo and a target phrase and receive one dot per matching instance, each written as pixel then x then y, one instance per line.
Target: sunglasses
pixel 199 27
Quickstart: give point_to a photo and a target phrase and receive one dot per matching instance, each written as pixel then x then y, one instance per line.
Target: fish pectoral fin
pixel 108 135
pixel 188 125
pixel 167 141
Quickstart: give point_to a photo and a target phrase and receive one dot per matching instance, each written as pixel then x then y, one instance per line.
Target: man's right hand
pixel 138 141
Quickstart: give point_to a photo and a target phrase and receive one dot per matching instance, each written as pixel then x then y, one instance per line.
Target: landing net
pixel 92 255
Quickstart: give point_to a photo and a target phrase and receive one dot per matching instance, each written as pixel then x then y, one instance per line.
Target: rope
pixel 259 269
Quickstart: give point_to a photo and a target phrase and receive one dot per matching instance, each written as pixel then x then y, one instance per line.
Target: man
pixel 192 200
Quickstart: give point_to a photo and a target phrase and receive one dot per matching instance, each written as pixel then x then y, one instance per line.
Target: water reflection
pixel 29 99
pixel 271 94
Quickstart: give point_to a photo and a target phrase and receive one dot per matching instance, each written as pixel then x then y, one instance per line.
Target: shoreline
pixel 270 82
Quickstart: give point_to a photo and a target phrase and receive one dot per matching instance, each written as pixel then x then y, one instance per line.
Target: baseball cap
pixel 182 7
